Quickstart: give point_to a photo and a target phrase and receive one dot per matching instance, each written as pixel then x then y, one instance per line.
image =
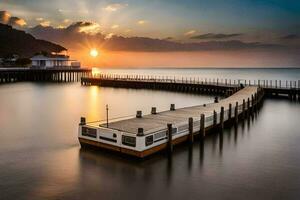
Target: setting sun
pixel 94 52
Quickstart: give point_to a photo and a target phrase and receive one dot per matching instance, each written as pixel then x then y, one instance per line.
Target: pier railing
pixel 272 84
pixel 217 117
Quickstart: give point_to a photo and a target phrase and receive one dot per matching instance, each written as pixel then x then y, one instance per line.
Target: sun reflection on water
pixel 96 71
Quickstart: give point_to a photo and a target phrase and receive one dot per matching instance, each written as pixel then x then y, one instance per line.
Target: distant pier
pixel 11 75
pixel 224 87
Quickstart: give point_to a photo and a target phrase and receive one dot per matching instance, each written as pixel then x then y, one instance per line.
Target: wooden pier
pixel 153 122
pixel 11 75
pixel 144 135
pixel 224 87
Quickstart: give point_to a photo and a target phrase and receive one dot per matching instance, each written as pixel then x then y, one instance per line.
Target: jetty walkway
pixel 156 121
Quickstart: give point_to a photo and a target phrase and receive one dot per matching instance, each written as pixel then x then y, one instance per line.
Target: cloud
pixel 168 38
pixel 45 23
pixel 110 35
pixel 115 26
pixel 143 44
pixel 81 11
pixel 61 27
pixel 76 36
pixel 73 36
pixel 290 37
pixel 39 19
pixel 114 7
pixel 141 22
pixel 215 36
pixel 6 18
pixel 16 21
pixel 77 27
pixel 86 27
pixel 189 33
pixel 66 21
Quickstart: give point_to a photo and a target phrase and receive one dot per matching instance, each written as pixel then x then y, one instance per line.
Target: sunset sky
pixel 190 33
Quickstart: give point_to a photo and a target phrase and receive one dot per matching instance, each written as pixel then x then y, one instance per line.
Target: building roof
pixel 50 57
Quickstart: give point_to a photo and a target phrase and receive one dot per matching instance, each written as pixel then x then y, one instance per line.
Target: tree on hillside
pixel 23 62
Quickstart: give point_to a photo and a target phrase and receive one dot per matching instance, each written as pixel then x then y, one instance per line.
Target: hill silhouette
pixel 13 41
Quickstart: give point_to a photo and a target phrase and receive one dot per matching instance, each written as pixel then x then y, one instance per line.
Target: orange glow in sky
pixel 123 59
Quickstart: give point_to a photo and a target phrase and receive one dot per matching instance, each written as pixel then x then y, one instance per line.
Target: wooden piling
pixel 255 102
pixel 170 144
pixel 222 119
pixel 243 109
pixel 236 113
pixel 202 126
pixel 191 130
pixel 252 104
pixel 215 119
pixel 248 107
pixel 229 111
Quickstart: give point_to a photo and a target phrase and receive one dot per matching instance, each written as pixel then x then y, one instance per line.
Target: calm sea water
pixel 40 157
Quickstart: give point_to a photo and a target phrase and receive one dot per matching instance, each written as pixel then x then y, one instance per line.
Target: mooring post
pixel 170 144
pixel 107 115
pixel 236 113
pixel 191 130
pixel 153 110
pixel 216 100
pixel 222 119
pixel 82 121
pixel 172 107
pixel 140 132
pixel 202 126
pixel 139 114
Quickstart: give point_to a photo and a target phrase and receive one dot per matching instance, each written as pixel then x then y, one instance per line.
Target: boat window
pixel 174 131
pixel 129 141
pixel 160 135
pixel 149 140
pixel 89 132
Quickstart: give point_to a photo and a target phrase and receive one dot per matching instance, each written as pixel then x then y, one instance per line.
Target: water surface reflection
pixel 40 157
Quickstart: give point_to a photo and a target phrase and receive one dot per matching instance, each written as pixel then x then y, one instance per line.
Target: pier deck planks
pixel 153 122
